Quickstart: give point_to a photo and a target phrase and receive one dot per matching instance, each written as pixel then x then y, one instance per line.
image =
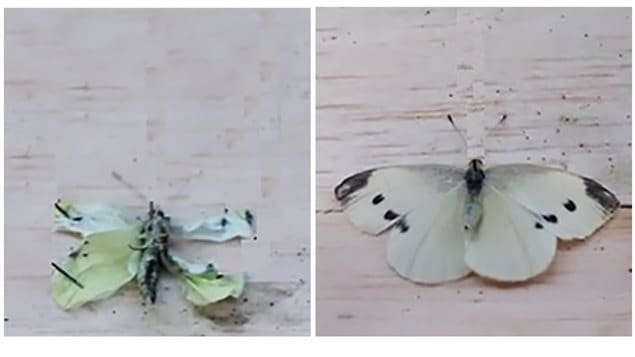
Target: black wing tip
pixel 601 195
pixel 352 184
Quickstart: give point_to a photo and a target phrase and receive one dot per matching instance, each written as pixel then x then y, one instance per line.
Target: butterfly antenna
pixel 500 122
pixel 463 139
pixel 130 186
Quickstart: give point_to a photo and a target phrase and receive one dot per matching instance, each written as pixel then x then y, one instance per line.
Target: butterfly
pixel 502 222
pixel 117 248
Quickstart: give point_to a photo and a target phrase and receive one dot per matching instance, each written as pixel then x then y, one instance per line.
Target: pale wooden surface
pixel 387 78
pixel 195 108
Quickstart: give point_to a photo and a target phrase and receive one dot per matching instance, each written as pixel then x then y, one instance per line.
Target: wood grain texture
pixel 195 108
pixel 387 79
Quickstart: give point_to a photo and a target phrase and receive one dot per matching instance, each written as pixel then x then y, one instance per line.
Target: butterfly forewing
pixel 568 205
pixel 375 199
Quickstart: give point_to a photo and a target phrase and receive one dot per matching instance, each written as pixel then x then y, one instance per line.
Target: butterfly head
pixel 476 165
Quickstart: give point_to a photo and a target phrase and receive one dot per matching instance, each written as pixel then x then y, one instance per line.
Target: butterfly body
pixel 474 178
pixel 153 249
pixel 502 222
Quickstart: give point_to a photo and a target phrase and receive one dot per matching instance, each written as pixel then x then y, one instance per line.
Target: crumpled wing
pixel 221 228
pixel 88 218
pixel 202 284
pixel 101 265
pixel 203 290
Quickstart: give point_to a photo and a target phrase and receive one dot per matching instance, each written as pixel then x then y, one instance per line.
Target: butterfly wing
pixel 375 199
pixel 87 218
pixel 525 209
pixel 571 206
pixel 201 290
pixel 510 242
pixel 423 204
pixel 202 284
pixel 428 244
pixel 101 265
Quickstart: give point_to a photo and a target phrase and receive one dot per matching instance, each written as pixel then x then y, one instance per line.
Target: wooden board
pixel 387 79
pixel 194 108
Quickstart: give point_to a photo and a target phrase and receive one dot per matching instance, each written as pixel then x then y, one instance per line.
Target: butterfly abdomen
pixel 148 274
pixel 472 212
pixel 155 232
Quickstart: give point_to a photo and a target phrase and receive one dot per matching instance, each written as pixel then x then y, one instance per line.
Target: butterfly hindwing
pixel 510 243
pixel 375 199
pixel 428 244
pixel 571 206
pixel 101 265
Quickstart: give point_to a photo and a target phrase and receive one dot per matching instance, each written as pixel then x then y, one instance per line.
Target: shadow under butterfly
pixel 502 223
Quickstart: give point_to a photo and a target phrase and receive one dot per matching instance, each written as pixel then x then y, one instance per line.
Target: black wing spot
pixel 538 225
pixel 390 215
pixel 570 206
pixel 377 199
pixel 403 226
pixel 551 218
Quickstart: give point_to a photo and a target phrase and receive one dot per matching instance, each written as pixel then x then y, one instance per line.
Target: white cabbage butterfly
pixel 502 222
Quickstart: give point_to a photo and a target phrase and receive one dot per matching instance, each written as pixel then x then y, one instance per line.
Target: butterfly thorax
pixel 153 246
pixel 472 210
pixel 474 177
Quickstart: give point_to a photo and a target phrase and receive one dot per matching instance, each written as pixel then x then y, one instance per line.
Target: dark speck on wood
pixel 344 316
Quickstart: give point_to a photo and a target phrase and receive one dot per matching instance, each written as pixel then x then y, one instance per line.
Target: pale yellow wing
pixel 511 243
pixel 427 245
pixel 202 289
pixel 570 206
pixel 101 265
pixel 375 199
